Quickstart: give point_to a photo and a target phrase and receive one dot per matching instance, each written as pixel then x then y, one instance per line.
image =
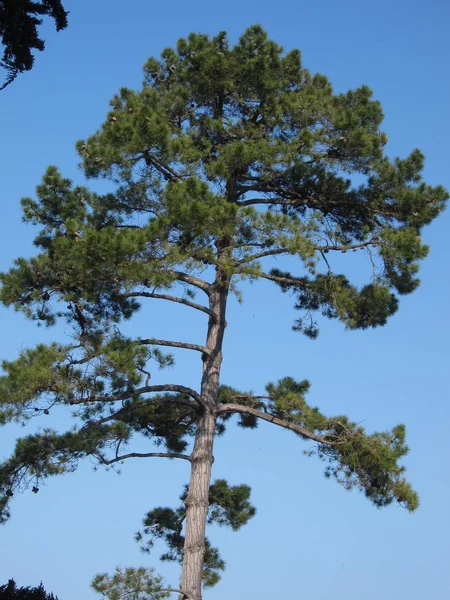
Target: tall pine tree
pixel 226 157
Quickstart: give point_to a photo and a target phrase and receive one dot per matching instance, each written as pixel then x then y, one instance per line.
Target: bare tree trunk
pixel 197 508
pixel 197 500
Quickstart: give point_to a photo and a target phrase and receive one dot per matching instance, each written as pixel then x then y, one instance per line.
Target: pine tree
pixel 226 157
pixel 19 22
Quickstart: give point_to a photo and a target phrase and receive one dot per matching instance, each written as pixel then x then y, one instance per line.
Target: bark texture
pixel 197 500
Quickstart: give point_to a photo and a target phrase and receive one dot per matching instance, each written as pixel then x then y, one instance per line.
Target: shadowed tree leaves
pixel 10 591
pixel 19 22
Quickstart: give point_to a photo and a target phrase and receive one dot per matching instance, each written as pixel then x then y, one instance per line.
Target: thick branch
pixel 144 455
pixel 184 345
pixel 168 387
pixel 192 280
pixel 171 299
pixel 247 410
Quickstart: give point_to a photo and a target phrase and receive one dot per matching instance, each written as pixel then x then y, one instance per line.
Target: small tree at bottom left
pixel 10 591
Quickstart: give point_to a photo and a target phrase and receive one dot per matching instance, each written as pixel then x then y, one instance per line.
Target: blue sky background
pixel 310 538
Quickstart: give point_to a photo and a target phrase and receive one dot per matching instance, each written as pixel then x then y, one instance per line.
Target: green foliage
pixel 130 584
pixel 228 505
pixel 193 155
pixel 282 135
pixel 99 368
pixel 338 299
pixel 39 456
pixel 19 20
pixel 42 455
pixel 368 462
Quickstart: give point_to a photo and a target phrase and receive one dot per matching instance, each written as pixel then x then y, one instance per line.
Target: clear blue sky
pixel 310 538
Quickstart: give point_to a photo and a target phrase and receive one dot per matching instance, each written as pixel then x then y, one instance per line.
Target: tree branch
pixel 184 345
pixel 126 410
pixel 251 397
pixel 277 201
pixel 168 387
pixel 167 172
pixel 192 280
pixel 171 299
pixel 104 461
pixel 282 280
pixel 272 252
pixel 247 410
pixel 343 248
pixel 8 81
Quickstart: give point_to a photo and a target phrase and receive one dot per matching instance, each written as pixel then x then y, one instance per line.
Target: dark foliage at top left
pixel 19 22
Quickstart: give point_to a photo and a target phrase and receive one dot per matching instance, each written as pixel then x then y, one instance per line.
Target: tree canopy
pixel 227 157
pixel 19 22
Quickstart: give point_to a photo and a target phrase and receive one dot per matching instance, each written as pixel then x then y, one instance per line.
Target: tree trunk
pixel 197 500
